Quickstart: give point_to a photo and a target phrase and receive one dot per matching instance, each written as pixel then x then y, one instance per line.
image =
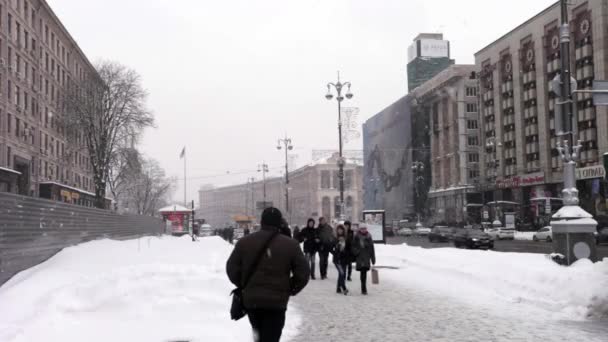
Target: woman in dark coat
pixel 350 235
pixel 341 258
pixel 363 249
pixel 310 237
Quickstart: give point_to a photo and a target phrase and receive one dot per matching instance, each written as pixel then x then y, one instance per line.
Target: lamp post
pixel 572 227
pixel 252 181
pixel 286 142
pixel 263 168
pixel 338 87
pixel 418 170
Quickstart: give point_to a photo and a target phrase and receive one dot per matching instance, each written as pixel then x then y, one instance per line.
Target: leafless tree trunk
pixel 105 109
pixel 124 172
pixel 152 189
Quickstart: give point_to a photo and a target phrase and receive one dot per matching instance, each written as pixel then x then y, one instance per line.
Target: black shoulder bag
pixel 237 310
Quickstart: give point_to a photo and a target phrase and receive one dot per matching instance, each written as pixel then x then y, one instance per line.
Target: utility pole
pixel 252 181
pixel 573 228
pixel 286 142
pixel 263 168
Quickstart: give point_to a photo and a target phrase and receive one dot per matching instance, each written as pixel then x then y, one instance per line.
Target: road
pixel 518 246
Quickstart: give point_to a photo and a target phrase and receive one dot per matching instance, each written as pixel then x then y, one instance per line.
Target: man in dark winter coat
pixel 282 272
pixel 310 237
pixel 326 235
pixel 350 235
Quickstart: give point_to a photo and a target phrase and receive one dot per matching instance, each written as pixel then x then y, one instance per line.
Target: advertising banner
pixel 374 221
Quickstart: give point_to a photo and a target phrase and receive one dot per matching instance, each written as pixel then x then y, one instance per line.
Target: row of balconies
pixel 508 120
pixel 532 165
pixel 584 51
pixel 584 72
pixel 506 87
pixel 507 103
pixel 509 136
pixel 529 76
pixel 532 148
pixel 530 94
pixel 530 112
pixel 531 129
pixel 553 66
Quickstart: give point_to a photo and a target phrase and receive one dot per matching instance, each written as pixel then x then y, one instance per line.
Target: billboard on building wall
pixel 387 151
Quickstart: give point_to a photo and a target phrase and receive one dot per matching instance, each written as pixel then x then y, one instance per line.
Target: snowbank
pixel 150 289
pixel 490 279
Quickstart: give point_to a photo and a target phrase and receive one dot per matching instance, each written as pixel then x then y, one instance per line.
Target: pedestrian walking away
pixel 340 258
pixel 363 249
pixel 282 271
pixel 310 237
pixel 350 235
pixel 326 236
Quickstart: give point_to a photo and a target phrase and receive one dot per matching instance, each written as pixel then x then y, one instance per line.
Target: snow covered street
pixel 170 289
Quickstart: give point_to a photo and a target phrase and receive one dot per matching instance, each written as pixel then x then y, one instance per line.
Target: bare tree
pixel 105 110
pixel 152 189
pixel 123 174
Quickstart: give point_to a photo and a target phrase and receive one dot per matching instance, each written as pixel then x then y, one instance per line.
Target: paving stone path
pixel 392 312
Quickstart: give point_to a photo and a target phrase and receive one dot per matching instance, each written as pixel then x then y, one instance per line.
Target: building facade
pixel 387 148
pixel 38 57
pixel 518 109
pixel 427 56
pixel 449 100
pixel 313 192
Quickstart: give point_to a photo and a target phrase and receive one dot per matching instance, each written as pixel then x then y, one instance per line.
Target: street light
pixel 418 169
pixel 263 168
pixel 339 86
pixel 288 147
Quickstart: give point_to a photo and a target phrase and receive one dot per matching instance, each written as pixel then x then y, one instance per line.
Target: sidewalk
pixel 394 313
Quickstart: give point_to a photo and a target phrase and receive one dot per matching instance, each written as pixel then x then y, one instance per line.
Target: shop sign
pixel 596 171
pixel 66 194
pixel 75 195
pixel 519 181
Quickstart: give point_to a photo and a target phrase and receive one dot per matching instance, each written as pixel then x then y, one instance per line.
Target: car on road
pixel 501 233
pixel 441 234
pixel 543 234
pixel 472 238
pixel 404 232
pixel 601 236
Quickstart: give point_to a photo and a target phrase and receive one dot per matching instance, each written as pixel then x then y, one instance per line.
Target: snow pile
pixel 488 278
pixel 524 235
pixel 150 289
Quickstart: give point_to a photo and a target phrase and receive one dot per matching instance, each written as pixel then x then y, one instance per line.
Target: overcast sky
pixel 227 78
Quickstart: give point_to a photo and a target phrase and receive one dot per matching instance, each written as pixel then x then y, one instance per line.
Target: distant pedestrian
pixel 246 231
pixel 296 233
pixel 363 249
pixel 326 235
pixel 310 237
pixel 341 259
pixel 350 235
pixel 284 229
pixel 266 285
pixel 230 235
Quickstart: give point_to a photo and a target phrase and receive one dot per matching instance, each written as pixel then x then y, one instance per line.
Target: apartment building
pixel 521 163
pixel 38 57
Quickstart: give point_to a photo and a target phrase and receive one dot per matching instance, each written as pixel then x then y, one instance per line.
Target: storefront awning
pixel 6 169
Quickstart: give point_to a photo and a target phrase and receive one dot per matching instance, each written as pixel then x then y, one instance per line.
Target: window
pixel 325 179
pixel 27 39
pixel 9 122
pixel 10 89
pixel 473 157
pixel 8 156
pixel 473 141
pixel 326 207
pixel 17 95
pixel 337 207
pixel 335 180
pixel 17 127
pixel 472 124
pixel 348 179
pixel 471 107
pixel 473 174
pixel 471 91
pixel 18 26
pixel 10 24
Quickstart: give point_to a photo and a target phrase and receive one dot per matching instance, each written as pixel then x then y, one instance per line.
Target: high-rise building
pixel 427 56
pixel 38 57
pixel 522 163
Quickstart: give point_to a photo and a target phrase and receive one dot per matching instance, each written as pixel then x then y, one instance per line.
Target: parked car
pixel 404 232
pixel 501 233
pixel 543 234
pixel 440 234
pixel 422 231
pixel 472 238
pixel 601 236
pixel 206 230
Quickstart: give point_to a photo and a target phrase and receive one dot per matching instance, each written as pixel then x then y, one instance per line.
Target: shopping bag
pixel 375 277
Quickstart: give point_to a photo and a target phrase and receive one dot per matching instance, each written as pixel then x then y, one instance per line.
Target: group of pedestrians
pixel 344 244
pixel 268 267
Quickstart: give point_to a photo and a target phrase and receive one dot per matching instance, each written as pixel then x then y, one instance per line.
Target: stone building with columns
pixel 449 99
pixel 313 192
pixel 518 110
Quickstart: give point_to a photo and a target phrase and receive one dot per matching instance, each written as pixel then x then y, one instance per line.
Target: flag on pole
pixel 181 155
